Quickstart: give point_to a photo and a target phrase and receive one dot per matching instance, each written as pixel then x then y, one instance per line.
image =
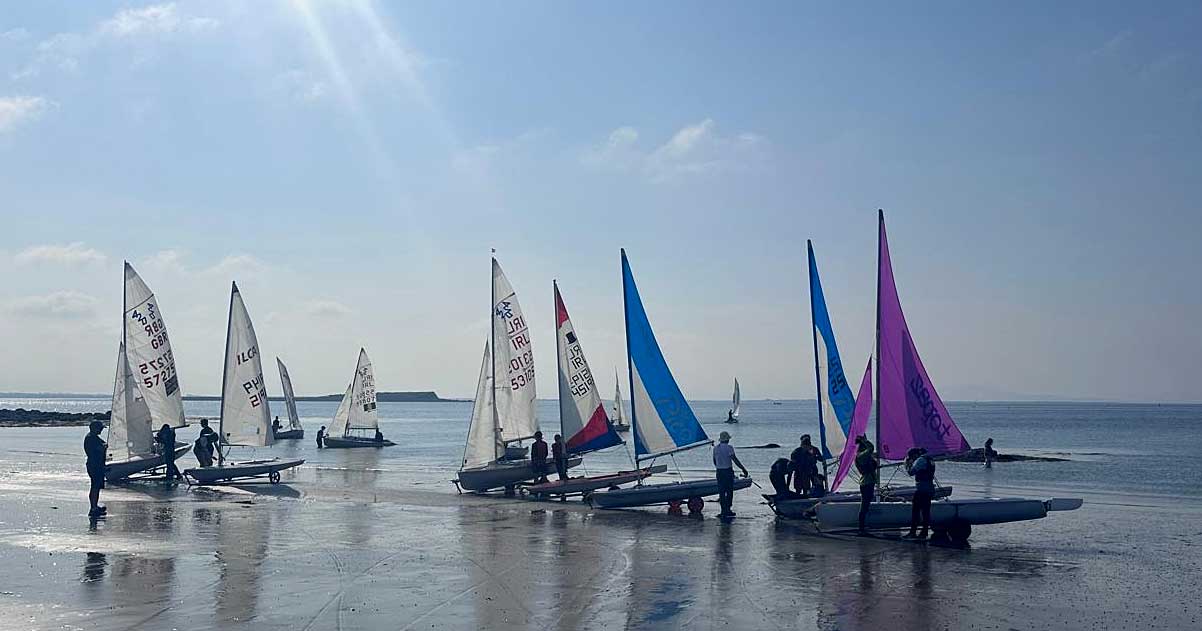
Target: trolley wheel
pixel 960 532
pixel 696 504
pixel 674 507
pixel 274 476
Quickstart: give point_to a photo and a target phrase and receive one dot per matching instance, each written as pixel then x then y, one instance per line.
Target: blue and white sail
pixel 663 421
pixel 835 400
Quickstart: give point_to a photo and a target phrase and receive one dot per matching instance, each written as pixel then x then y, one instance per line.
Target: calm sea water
pixel 1144 449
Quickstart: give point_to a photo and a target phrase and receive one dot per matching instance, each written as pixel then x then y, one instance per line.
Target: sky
pixel 351 164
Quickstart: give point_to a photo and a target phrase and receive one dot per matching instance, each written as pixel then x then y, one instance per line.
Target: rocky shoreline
pixel 21 417
pixel 978 455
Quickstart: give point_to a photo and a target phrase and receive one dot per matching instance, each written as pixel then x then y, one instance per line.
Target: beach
pixel 367 539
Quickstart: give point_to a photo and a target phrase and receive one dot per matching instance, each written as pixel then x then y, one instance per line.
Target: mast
pixel 629 361
pixel 225 366
pixel 814 338
pixel 880 229
pixel 492 359
pixel 558 355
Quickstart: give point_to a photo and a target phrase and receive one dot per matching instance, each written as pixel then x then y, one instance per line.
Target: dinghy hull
pixel 290 434
pixel 498 475
pixel 122 469
pixel 230 472
pixel 586 484
pixel 944 515
pixel 651 494
pixel 801 508
pixel 353 442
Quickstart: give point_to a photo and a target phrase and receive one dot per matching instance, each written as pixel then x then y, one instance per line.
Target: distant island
pixel 382 397
pixel 21 417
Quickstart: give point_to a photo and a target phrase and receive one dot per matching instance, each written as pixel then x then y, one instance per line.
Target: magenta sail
pixel 911 414
pixel 859 424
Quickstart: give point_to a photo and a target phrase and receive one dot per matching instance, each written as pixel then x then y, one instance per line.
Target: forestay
pixel 835 400
pixel 859 425
pixel 289 396
pixel 910 412
pixel 148 350
pixel 245 413
pixel 130 431
pixel 483 439
pixel 582 417
pixel 362 413
pixel 663 421
pixel 513 367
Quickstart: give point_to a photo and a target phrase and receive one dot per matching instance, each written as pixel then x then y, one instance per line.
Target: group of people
pixel 558 454
pixel 797 476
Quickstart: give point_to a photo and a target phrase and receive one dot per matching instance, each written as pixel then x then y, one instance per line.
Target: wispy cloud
pixel 158 19
pixel 327 309
pixel 236 266
pixel 66 305
pixel 15 110
pixel 64 254
pixel 14 35
pixel 698 148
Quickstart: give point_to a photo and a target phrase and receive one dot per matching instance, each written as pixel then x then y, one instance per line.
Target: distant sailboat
pixel 619 419
pixel 245 413
pixel 663 422
pixel 140 405
pixel 356 422
pixel 294 431
pixel 735 402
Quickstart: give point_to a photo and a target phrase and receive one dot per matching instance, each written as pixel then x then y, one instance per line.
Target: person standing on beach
pixel 207 439
pixel 538 457
pixel 922 469
pixel 166 438
pixel 275 426
pixel 95 449
pixel 805 466
pixel 559 454
pixel 867 466
pixel 724 463
pixel 990 454
pixel 321 437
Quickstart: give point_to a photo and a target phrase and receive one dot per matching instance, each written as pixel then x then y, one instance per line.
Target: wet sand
pixel 346 549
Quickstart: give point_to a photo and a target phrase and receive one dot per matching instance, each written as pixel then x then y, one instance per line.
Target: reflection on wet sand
pixel 242 538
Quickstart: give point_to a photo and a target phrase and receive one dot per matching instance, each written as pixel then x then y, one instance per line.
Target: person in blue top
pixel 95 449
pixel 724 464
pixel 922 469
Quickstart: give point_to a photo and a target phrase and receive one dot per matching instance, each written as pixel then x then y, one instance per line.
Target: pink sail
pixel 859 424
pixel 911 412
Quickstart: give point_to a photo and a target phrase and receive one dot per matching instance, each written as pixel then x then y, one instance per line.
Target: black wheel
pixel 696 504
pixel 960 532
pixel 274 476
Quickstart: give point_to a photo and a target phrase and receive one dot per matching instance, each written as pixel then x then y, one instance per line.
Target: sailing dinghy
pixel 664 424
pixel 140 405
pixel 735 401
pixel 504 409
pixel 245 415
pixel 582 418
pixel 294 431
pixel 356 422
pixel 619 419
pixel 917 417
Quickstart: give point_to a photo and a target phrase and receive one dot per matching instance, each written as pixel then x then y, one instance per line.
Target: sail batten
pixel 583 421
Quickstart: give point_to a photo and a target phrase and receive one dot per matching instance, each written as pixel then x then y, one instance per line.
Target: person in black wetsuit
pixel 538 457
pixel 321 437
pixel 95 449
pixel 922 468
pixel 166 438
pixel 275 426
pixel 867 466
pixel 805 466
pixel 559 453
pixel 990 454
pixel 203 449
pixel 779 476
pixel 379 436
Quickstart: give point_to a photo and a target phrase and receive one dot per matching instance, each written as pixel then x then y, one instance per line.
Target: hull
pixel 121 469
pixel 354 442
pixel 649 494
pixel 290 434
pixel 802 507
pixel 586 484
pixel 501 474
pixel 241 470
pixel 944 515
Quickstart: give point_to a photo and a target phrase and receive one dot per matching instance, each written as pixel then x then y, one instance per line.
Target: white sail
pixel 362 413
pixel 245 414
pixel 513 363
pixel 338 426
pixel 619 412
pixel 736 400
pixel 130 431
pixel 148 350
pixel 483 440
pixel 289 396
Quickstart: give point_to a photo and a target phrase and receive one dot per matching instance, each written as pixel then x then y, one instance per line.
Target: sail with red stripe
pixel 582 416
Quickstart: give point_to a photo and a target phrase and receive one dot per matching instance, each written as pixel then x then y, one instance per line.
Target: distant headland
pixel 383 397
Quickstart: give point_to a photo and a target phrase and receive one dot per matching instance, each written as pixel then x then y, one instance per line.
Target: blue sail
pixel 662 419
pixel 835 400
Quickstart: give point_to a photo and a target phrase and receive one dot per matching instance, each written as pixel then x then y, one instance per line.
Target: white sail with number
pixel 362 412
pixel 245 414
pixel 513 362
pixel 148 351
pixel 130 431
pixel 289 396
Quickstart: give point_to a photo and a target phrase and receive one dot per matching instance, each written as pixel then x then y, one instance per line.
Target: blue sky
pixel 351 164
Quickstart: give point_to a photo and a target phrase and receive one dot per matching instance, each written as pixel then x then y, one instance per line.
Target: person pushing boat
pixel 724 463
pixel 166 438
pixel 95 449
pixel 989 454
pixel 779 476
pixel 321 437
pixel 867 466
pixel 922 469
pixel 203 448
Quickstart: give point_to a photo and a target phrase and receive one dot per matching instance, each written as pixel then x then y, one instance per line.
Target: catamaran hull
pixel 290 434
pixel 351 442
pixel 944 515
pixel 502 474
pixel 801 508
pixel 651 494
pixel 121 469
pixel 582 485
pixel 242 470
